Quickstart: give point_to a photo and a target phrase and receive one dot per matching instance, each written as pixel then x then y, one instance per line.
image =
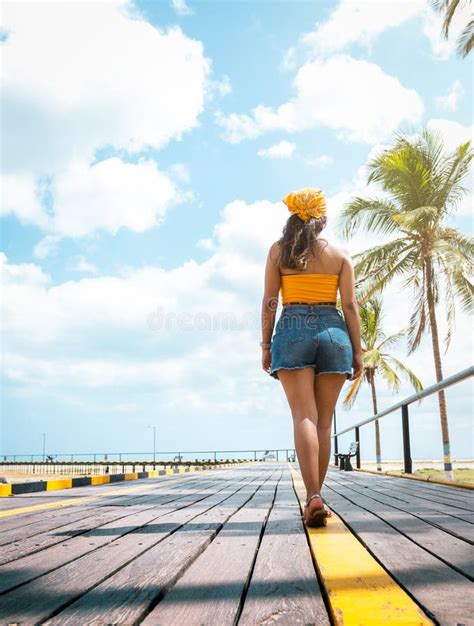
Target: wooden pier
pixel 229 546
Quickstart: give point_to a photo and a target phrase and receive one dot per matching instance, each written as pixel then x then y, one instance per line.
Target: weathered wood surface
pixel 225 547
pixel 415 542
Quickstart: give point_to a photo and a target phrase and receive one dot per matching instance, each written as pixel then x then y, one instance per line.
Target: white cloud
pixel 109 195
pixel 453 133
pixel 181 7
pixel 322 160
pixel 20 196
pixel 289 61
pixel 46 246
pixel 451 99
pixel 353 21
pixel 83 265
pixel 356 22
pixel 334 93
pixel 282 150
pixel 59 107
pixel 66 96
pixel 220 87
pixel 106 196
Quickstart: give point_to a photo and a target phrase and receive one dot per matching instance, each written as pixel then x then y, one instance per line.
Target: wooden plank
pixel 210 590
pixel 452 488
pixel 17 530
pixel 443 592
pixel 129 594
pixel 22 570
pixel 77 526
pixel 459 503
pixel 441 544
pixel 359 589
pixel 115 546
pixel 284 587
pixel 439 515
pixel 102 495
pixel 449 517
pixel 425 489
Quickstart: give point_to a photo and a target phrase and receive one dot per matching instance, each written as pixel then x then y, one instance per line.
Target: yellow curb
pixel 100 480
pixel 66 483
pixel 5 490
pixel 359 590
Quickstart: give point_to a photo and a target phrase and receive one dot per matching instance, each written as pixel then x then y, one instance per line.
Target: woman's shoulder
pixel 274 251
pixel 334 249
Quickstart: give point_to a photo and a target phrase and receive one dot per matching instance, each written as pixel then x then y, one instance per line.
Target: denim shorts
pixel 311 336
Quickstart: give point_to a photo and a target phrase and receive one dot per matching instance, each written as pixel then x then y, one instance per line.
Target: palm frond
pixel 373 215
pixel 466 40
pixel 389 375
pixel 392 340
pixel 413 379
pixel 352 394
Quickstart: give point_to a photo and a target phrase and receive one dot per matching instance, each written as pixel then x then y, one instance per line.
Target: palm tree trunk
pixel 378 454
pixel 443 414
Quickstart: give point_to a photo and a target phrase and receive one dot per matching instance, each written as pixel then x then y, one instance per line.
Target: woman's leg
pixel 298 385
pixel 327 388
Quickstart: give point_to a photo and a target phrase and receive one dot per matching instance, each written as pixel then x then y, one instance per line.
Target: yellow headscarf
pixel 307 202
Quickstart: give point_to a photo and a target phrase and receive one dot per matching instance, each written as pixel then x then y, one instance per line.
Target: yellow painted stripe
pixel 131 476
pixel 68 502
pixel 64 483
pixel 425 479
pixel 359 589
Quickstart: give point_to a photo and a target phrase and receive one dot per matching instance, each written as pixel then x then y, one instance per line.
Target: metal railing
pixel 403 404
pixel 167 457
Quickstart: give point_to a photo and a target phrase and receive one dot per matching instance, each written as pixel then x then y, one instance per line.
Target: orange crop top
pixel 309 287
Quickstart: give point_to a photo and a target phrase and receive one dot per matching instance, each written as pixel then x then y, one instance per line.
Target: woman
pixel 314 345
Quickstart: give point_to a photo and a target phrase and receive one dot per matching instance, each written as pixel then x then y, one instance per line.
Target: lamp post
pixel 154 441
pixel 44 445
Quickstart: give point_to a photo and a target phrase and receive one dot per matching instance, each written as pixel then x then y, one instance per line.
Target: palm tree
pixel 449 8
pixel 377 360
pixel 423 184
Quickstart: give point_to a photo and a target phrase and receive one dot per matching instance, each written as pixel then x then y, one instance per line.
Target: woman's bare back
pixel 328 259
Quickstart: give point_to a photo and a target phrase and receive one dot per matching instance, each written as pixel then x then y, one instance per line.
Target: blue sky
pixel 143 171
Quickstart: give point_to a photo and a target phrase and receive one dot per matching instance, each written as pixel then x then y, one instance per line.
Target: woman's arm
pixel 350 306
pixel 270 294
pixel 349 302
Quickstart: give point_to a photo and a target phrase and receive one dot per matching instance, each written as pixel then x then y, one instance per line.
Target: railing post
pixel 406 440
pixel 357 437
pixel 336 447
